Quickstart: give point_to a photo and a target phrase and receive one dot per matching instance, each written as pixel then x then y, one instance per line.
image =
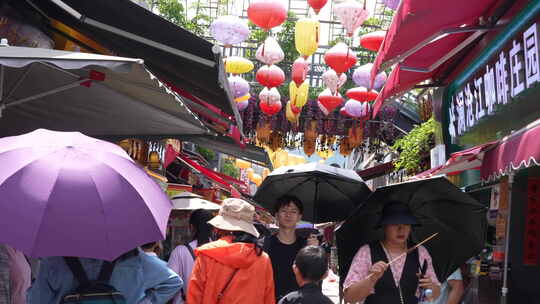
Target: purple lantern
pixel 239 86
pixel 392 4
pixel 358 109
pixel 362 76
pixel 229 30
pixel 242 105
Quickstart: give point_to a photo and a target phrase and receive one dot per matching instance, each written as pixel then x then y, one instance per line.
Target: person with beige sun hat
pixel 233 269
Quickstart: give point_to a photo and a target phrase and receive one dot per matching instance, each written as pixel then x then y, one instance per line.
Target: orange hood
pixel 236 255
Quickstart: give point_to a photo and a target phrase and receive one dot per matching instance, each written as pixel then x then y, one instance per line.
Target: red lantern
pixel 340 58
pixel 317 5
pixel 329 100
pixel 270 101
pixel 299 71
pixel 295 109
pixel 372 41
pixel 362 94
pixel 267 13
pixel 270 76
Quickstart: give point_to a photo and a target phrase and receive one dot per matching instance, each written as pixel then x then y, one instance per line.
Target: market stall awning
pixel 173 53
pixel 423 36
pixel 376 171
pixel 519 150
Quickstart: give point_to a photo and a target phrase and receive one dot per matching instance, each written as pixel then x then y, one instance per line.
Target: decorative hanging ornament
pixel 239 86
pixel 340 58
pixel 329 100
pixel 362 94
pixel 323 109
pixel 343 112
pixel 333 81
pixel 392 4
pixel 238 65
pixel 357 109
pixel 229 30
pixel 267 13
pixel 298 95
pixel 317 5
pixel 270 76
pixel 289 113
pixel 270 52
pixel 351 15
pixel 306 36
pixel 299 70
pixel 362 77
pixel 242 105
pixel 270 101
pixel 243 98
pixel 372 41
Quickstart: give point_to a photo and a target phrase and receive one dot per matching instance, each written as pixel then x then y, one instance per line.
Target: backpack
pixel 92 292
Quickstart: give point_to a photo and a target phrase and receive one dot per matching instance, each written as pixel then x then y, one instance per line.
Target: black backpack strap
pixel 77 269
pixel 190 250
pixel 220 295
pixel 106 271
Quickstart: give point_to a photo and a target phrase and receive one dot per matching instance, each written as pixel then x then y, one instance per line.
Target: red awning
pixel 376 171
pixel 516 151
pixel 424 34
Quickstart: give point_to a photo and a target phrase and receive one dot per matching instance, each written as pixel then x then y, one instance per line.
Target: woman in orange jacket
pixel 233 269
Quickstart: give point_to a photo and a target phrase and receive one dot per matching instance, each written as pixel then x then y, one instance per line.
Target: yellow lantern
pixel 306 36
pixel 238 65
pixel 302 94
pixel 242 98
pixel 250 173
pixel 293 92
pixel 242 164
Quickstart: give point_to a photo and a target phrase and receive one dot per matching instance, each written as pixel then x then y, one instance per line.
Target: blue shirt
pixel 140 278
pixel 445 290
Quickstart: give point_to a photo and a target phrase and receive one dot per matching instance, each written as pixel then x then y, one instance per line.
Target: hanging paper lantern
pixel 372 41
pixel 229 30
pixel 243 98
pixel 333 81
pixel 302 94
pixel 392 4
pixel 270 52
pixel 289 113
pixel 323 109
pixel 238 65
pixel 270 101
pixel 351 15
pixel 306 36
pixel 242 105
pixel 267 14
pixel 362 94
pixel 299 70
pixel 330 101
pixel 353 108
pixel 270 76
pixel 239 86
pixel 295 109
pixel 362 76
pixel 343 111
pixel 317 5
pixel 340 58
pixel 293 90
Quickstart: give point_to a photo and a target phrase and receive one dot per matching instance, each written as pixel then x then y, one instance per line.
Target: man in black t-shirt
pixel 285 245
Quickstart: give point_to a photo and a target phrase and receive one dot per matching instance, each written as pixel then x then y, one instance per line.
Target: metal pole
pixel 504 289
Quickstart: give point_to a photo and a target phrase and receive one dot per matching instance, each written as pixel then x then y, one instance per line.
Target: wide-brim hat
pixel 235 215
pixel 396 213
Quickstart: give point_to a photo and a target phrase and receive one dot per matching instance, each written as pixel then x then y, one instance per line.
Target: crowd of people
pixel 228 261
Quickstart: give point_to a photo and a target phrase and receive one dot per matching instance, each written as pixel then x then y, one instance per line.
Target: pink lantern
pixel 329 100
pixel 270 76
pixel 299 71
pixel 317 5
pixel 270 101
pixel 238 85
pixel 372 41
pixel 392 4
pixel 229 30
pixel 357 109
pixel 333 81
pixel 362 94
pixel 362 76
pixel 344 112
pixel 351 15
pixel 242 105
pixel 270 52
pixel 267 13
pixel 340 58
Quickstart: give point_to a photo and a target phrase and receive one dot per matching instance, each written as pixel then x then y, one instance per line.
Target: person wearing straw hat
pixel 373 279
pixel 233 269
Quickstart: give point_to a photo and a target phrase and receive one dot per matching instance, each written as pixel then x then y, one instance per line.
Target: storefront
pixel 490 120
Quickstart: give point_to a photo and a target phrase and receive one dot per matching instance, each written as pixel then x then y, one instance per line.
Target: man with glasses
pixel 285 245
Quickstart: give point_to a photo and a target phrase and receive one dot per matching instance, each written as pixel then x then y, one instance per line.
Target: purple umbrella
pixel 67 194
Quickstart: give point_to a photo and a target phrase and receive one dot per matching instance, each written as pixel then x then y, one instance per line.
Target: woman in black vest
pixel 368 280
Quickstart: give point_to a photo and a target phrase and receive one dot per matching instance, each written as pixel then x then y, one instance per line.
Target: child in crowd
pixel 310 267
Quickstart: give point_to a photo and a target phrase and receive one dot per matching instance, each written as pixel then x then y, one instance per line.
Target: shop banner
pixel 531 252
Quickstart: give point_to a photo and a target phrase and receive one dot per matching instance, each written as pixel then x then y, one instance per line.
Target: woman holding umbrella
pixel 373 279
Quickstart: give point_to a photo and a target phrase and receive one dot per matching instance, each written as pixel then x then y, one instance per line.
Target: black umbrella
pixel 328 193
pixel 439 206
